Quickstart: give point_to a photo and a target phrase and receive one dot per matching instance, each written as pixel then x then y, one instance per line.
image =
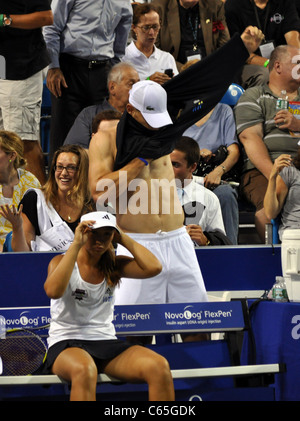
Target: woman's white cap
pixel 102 219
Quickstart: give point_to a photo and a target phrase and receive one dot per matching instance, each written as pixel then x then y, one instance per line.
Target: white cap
pixel 102 219
pixel 150 99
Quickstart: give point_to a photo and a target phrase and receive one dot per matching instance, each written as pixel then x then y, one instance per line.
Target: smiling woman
pixel 47 217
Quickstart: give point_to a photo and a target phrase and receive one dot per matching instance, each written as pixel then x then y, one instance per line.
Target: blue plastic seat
pixel 7 243
pixel 232 95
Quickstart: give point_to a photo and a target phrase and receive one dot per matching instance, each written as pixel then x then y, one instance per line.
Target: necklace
pixel 64 215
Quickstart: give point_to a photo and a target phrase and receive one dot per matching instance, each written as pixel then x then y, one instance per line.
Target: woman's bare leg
pixel 139 364
pixel 78 367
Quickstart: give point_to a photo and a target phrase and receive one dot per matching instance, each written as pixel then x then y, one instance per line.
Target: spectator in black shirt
pixel 279 22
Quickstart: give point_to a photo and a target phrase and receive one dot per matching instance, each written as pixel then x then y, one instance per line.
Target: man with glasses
pixel 149 61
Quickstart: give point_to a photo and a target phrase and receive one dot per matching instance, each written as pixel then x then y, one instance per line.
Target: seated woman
pixel 149 61
pixel 14 180
pixel 47 218
pixel 82 339
pixel 283 192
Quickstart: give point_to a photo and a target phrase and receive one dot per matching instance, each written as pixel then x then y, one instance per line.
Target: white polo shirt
pixel 159 61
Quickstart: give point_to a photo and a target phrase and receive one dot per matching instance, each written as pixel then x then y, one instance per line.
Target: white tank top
pixel 85 311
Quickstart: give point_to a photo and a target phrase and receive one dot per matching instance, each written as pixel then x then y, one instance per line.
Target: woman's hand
pixel 159 77
pixel 213 179
pixel 206 154
pixel 12 214
pixel 82 231
pixel 282 161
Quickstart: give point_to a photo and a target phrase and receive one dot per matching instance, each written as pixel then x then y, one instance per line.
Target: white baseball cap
pixel 102 219
pixel 150 99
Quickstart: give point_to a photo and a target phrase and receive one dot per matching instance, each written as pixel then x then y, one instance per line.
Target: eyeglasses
pixel 147 28
pixel 71 169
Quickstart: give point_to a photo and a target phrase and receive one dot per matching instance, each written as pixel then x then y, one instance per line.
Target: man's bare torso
pixel 150 202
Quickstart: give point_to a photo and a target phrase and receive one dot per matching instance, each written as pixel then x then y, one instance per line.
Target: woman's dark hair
pixel 107 265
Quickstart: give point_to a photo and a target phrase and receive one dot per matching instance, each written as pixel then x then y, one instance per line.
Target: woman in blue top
pixel 82 340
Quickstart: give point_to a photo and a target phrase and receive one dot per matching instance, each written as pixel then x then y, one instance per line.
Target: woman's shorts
pixel 101 351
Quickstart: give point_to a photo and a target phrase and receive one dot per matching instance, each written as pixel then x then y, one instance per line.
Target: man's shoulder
pixel 104 139
pixel 95 109
pixel 253 92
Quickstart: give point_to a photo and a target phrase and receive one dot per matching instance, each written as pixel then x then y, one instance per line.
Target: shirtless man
pixel 153 216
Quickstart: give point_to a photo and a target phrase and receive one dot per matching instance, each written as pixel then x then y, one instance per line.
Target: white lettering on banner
pixel 25 319
pixel 187 314
pixel 295 330
pixel 136 316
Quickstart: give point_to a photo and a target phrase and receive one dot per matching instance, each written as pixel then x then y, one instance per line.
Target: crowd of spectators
pixel 136 87
pixel 152 40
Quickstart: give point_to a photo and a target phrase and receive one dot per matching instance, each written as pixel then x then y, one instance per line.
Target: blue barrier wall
pixel 22 275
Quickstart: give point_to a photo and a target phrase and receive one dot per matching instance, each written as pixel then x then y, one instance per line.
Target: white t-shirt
pixel 159 61
pixel 85 311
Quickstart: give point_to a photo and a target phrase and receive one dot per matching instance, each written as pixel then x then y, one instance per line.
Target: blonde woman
pixel 14 180
pixel 47 218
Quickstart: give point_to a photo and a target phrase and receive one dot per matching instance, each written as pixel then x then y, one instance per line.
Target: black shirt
pixel 195 91
pixel 190 31
pixel 275 20
pixel 29 202
pixel 25 51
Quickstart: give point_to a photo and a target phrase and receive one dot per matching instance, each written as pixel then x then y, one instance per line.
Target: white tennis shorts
pixel 180 280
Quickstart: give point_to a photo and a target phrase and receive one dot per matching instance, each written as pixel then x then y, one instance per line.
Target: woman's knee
pixel 76 367
pixel 158 369
pixel 86 371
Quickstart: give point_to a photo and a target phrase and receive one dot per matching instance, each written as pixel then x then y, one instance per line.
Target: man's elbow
pixel 156 268
pixel 47 18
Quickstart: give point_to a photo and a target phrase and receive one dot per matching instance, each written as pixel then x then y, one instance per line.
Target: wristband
pixel 143 160
pixel 223 168
pixel 1 20
pixel 266 63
